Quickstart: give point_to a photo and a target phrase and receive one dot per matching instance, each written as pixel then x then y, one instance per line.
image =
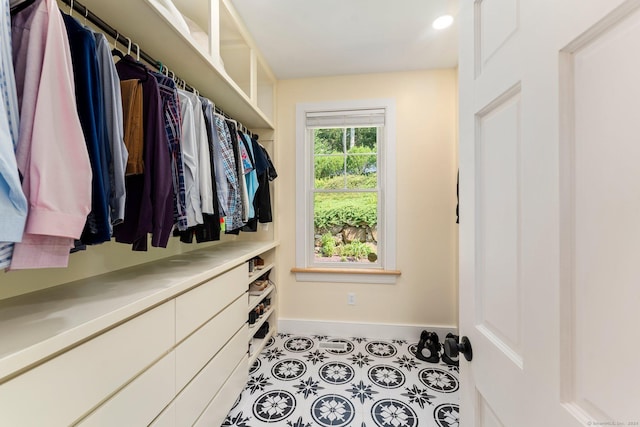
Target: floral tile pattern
pixel 346 382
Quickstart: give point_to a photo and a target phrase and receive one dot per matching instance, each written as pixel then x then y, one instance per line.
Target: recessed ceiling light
pixel 443 22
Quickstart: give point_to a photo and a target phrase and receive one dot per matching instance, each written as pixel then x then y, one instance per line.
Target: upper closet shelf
pixel 191 48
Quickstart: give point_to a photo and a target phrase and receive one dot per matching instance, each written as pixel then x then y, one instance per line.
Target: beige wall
pixel 426 292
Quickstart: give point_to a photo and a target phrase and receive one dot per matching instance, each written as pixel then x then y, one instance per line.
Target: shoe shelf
pixel 254 300
pixel 256 273
pixel 258 344
pixel 253 328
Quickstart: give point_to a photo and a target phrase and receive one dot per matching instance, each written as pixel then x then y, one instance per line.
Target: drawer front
pixel 140 401
pixel 68 386
pixel 200 304
pixel 220 406
pixel 167 418
pixel 192 401
pixel 199 348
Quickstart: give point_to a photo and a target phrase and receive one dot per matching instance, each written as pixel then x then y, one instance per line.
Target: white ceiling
pixel 308 38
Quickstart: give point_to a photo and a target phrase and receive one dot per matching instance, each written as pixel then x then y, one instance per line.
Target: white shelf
pixel 36 325
pixel 259 344
pixel 254 328
pixel 256 274
pixel 147 26
pixel 254 300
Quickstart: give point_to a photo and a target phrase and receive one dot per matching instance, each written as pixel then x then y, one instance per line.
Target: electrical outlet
pixel 351 298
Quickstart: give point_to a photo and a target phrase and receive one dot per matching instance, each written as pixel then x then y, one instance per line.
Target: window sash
pixel 310 250
pixel 305 182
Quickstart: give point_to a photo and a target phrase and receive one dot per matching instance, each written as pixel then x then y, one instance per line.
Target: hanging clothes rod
pixel 107 29
pixel 123 40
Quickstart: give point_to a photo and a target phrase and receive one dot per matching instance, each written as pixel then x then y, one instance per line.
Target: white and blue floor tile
pixel 296 382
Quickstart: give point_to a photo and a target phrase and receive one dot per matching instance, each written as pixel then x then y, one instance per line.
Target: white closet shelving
pixel 219 58
pixel 256 345
pixel 165 342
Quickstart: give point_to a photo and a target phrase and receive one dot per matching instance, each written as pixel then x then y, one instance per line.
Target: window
pixel 345 207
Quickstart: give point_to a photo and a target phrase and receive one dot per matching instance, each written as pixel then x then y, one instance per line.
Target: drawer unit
pixel 142 346
pixel 62 390
pixel 200 304
pixel 194 352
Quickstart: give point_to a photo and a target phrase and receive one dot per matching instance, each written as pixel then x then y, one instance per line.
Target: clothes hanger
pixel 115 51
pixel 71 8
pixel 86 13
pixel 137 51
pixel 128 57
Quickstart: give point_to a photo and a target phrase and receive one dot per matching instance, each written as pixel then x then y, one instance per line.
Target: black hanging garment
pixel 266 173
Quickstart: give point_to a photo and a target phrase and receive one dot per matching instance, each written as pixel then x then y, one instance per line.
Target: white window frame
pixel 387 203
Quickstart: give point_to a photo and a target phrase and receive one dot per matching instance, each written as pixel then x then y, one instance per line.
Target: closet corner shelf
pixel 147 26
pixel 36 325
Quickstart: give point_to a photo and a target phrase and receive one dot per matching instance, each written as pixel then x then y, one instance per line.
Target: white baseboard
pixel 410 333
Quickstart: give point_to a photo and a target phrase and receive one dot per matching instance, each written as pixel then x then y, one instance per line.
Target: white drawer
pixel 70 385
pixel 220 406
pixel 140 401
pixel 192 401
pixel 200 304
pixel 199 348
pixel 167 418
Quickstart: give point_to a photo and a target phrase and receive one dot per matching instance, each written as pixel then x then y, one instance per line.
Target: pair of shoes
pixel 429 347
pixel 454 361
pixel 263 331
pixel 258 286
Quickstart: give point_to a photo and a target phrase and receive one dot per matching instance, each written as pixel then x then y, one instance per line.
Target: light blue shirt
pixel 112 100
pixel 13 204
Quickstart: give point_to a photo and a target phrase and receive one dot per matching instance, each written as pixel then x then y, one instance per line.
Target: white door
pixel 550 212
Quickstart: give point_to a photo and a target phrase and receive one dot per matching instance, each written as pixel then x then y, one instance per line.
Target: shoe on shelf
pixel 258 262
pixel 258 286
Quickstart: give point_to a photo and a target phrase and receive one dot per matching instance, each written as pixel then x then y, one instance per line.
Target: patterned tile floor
pixel 296 382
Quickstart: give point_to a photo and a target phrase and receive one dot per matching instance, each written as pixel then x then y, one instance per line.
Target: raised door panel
pixel 200 347
pixel 603 244
pixel 62 390
pixel 196 307
pixel 193 400
pixel 141 400
pixel 498 281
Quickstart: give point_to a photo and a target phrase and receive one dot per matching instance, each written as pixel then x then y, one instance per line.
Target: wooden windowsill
pixel 347 271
